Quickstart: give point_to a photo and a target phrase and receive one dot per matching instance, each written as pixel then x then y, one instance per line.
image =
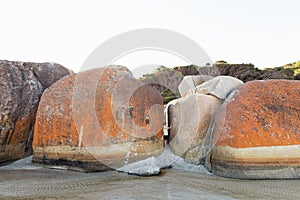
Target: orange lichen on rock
pixel 101 117
pixel 261 113
pixel 21 86
pixel 257 132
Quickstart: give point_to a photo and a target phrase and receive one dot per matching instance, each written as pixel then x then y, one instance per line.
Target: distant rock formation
pixel 167 80
pixel 256 132
pixel 98 120
pixel 247 72
pixel 21 86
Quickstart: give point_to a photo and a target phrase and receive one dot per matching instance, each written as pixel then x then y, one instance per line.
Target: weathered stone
pixel 190 117
pixel 21 85
pixel 189 83
pixel 244 72
pixel 167 80
pixel 257 132
pixel 163 78
pixel 189 120
pixel 197 70
pixel 195 155
pixel 49 73
pixel 220 86
pixel 97 120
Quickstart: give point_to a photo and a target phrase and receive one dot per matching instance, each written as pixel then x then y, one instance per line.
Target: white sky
pixel 263 32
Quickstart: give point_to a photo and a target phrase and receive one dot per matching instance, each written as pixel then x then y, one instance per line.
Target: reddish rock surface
pixel 21 85
pixel 257 132
pixel 97 120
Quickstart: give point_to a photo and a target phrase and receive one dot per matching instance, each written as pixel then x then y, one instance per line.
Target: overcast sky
pixel 263 32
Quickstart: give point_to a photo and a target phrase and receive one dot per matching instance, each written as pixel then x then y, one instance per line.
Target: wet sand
pixel 29 182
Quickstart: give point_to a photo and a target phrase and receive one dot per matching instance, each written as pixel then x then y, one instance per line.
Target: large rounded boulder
pixel 97 120
pixel 190 117
pixel 257 132
pixel 21 86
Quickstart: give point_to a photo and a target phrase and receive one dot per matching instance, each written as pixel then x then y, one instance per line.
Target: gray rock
pixel 220 86
pixel 194 156
pixel 21 86
pixel 189 120
pixel 49 73
pixel 189 84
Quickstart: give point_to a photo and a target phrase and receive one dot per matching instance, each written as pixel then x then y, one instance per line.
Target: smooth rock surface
pixel 189 120
pixel 98 120
pixel 153 166
pixel 195 155
pixel 189 83
pixel 220 86
pixel 21 86
pixel 257 132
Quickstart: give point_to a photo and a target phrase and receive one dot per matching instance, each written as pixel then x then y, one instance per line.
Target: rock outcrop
pixel 190 117
pixel 189 83
pixel 248 72
pixel 220 86
pixel 167 80
pixel 257 132
pixel 98 120
pixel 189 120
pixel 244 72
pixel 21 85
pixel 197 70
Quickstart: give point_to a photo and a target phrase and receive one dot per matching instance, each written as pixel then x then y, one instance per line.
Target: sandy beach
pixel 21 180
